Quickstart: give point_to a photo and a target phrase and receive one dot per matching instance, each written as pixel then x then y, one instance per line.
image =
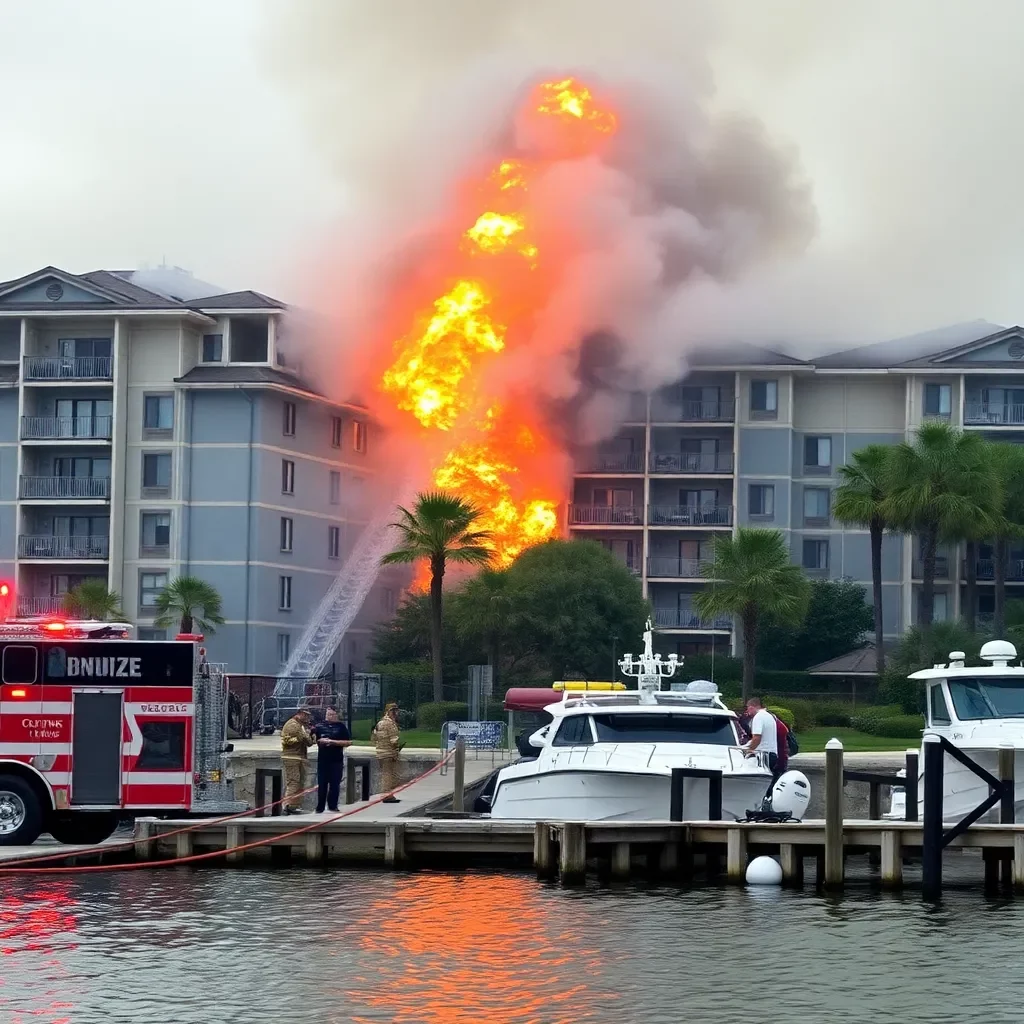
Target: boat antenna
pixel 648 668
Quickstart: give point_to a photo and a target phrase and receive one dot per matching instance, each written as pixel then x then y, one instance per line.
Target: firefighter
pixel 389 745
pixel 296 739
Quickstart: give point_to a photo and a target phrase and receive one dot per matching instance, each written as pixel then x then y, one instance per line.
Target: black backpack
pixel 791 743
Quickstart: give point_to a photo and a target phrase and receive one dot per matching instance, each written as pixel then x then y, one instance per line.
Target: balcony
pixel 63 548
pixel 41 605
pixel 688 618
pixel 65 487
pixel 986 569
pixel 605 515
pixel 79 428
pixel 689 515
pixel 68 368
pixel 941 568
pixel 1001 415
pixel 630 463
pixel 671 567
pixel 722 411
pixel 691 462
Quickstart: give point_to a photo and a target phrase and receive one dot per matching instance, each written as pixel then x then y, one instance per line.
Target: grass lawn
pixel 814 740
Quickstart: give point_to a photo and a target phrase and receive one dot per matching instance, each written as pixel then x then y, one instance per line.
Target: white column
pixel 118 457
pixel 19 526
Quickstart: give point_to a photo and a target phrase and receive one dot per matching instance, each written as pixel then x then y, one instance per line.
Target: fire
pixel 497 282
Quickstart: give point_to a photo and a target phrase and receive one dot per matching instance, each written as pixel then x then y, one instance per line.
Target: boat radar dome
pixel 702 686
pixel 998 652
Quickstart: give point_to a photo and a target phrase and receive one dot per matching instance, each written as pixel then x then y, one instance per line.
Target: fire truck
pixel 95 726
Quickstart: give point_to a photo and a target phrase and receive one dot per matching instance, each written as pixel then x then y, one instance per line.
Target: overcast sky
pixel 135 132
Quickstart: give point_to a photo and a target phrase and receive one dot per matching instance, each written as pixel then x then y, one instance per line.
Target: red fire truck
pixel 94 727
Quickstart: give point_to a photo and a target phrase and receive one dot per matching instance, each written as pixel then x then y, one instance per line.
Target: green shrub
pixel 430 717
pixel 767 682
pixel 834 713
pixel 804 713
pixel 897 726
pixel 785 714
pixel 895 688
pixel 879 711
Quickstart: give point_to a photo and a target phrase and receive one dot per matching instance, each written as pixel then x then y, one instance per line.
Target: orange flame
pixel 489 296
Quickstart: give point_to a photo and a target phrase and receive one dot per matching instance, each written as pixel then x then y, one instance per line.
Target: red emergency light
pixel 19 693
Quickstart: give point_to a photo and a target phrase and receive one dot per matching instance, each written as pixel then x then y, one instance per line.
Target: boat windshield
pixel 993 697
pixel 715 729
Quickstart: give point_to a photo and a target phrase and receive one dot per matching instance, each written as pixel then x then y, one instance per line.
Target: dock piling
pixel 913 775
pixel 572 853
pixel 1006 805
pixel 931 842
pixel 544 861
pixel 394 844
pixel 235 838
pixel 834 814
pixel 892 859
pixel 621 860
pixel 1018 861
pixel 792 862
pixel 144 848
pixel 459 791
pixel 736 856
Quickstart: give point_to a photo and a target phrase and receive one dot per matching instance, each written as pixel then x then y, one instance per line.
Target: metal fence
pixel 259 705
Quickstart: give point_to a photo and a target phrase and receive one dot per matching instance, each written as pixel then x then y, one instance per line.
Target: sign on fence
pixel 365 690
pixel 478 735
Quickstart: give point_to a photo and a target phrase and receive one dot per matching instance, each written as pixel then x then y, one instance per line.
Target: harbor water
pixel 213 946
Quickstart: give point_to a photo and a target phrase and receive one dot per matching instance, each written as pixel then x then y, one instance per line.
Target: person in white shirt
pixel 764 735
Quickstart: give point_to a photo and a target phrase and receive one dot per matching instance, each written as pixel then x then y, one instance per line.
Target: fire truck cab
pixel 94 727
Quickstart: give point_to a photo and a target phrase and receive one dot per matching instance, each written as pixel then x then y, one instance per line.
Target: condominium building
pixel 147 434
pixel 751 437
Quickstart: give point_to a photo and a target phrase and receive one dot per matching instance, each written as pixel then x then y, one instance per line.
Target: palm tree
pixel 1008 460
pixel 92 600
pixel 754 579
pixel 859 501
pixel 190 602
pixel 942 486
pixel 439 529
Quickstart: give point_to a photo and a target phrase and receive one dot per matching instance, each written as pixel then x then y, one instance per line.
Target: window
pixel 83 417
pixel 940 606
pixel 817 502
pixel 387 601
pixel 151 633
pixel 815 556
pixel 84 348
pixel 358 436
pixel 289 419
pixel 158 413
pixel 574 732
pixel 284 595
pixel 287 529
pixel 987 698
pixel 163 746
pixel 155 533
pixel 150 586
pixel 284 647
pixel 762 501
pixel 213 348
pixel 938 400
pixel 333 541
pixel 937 705
pixel 650 728
pixel 817 454
pixel 335 487
pixel 156 473
pixel 335 431
pixel 249 339
pixel 764 399
pixel 287 476
pixel 20 664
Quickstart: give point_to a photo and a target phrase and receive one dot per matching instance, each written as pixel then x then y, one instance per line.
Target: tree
pixel 942 486
pixel 752 577
pixel 860 501
pixel 92 600
pixel 922 647
pixel 440 529
pixel 1008 462
pixel 482 611
pixel 189 601
pixel 838 616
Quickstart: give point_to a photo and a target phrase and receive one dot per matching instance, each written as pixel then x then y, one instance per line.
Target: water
pixel 160 946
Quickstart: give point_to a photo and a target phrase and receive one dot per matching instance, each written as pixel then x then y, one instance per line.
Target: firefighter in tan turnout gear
pixel 389 745
pixel 296 739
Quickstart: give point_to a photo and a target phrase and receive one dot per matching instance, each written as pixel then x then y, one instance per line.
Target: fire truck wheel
pixel 83 829
pixel 21 817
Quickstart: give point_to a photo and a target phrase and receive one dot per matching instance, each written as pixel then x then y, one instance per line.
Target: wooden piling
pixel 669 860
pixel 572 853
pixel 736 855
pixel 183 844
pixel 792 861
pixel 314 847
pixel 621 860
pixel 544 860
pixel 1007 812
pixel 1018 861
pixel 459 790
pixel 913 777
pixel 833 814
pixel 394 844
pixel 144 848
pixel 235 838
pixel 892 859
pixel 931 840
pixel 350 783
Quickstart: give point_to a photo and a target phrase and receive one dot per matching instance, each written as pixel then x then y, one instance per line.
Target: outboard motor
pixel 790 795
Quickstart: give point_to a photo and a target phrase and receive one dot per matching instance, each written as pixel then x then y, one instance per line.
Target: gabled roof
pixel 237 300
pixel 860 662
pixel 740 353
pixel 255 375
pixel 913 349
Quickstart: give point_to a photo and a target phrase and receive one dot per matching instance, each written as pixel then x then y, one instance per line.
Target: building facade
pixel 145 436
pixel 751 437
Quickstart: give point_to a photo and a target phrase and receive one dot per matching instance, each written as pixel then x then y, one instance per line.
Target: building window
pixel 940 606
pixel 333 541
pixel 158 414
pixel 335 431
pixel 155 534
pixel 818 455
pixel 287 476
pixel 938 400
pixel 213 348
pixel 284 594
pixel 764 399
pixel 287 529
pixel 817 502
pixel 249 339
pixel 358 436
pixel 151 584
pixel 151 633
pixel 762 501
pixel 156 473
pixel 815 556
pixel 289 419
pixel 335 487
pixel 284 647
pixel 387 601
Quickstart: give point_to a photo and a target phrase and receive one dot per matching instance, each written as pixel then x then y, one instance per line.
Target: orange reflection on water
pixel 470 949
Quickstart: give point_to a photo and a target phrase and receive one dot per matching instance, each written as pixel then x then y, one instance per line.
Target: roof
pixel 256 375
pixel 237 300
pixel 912 348
pixel 860 662
pixel 740 353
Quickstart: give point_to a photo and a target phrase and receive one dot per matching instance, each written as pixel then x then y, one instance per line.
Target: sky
pixel 231 136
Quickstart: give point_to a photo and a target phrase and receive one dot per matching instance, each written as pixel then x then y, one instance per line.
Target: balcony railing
pixel 691 462
pixel 722 411
pixel 999 415
pixel 599 463
pixel 605 515
pixel 689 515
pixel 42 428
pixel 68 368
pixel 63 547
pixel 986 569
pixel 41 605
pixel 674 568
pixel 688 618
pixel 65 487
pixel 941 568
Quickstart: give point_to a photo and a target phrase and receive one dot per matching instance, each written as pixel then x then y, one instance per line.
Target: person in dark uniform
pixel 332 737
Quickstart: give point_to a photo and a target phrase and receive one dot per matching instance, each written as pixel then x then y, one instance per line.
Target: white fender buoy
pixel 764 871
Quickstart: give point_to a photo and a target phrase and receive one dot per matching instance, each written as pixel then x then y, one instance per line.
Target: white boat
pixel 978 709
pixel 609 755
